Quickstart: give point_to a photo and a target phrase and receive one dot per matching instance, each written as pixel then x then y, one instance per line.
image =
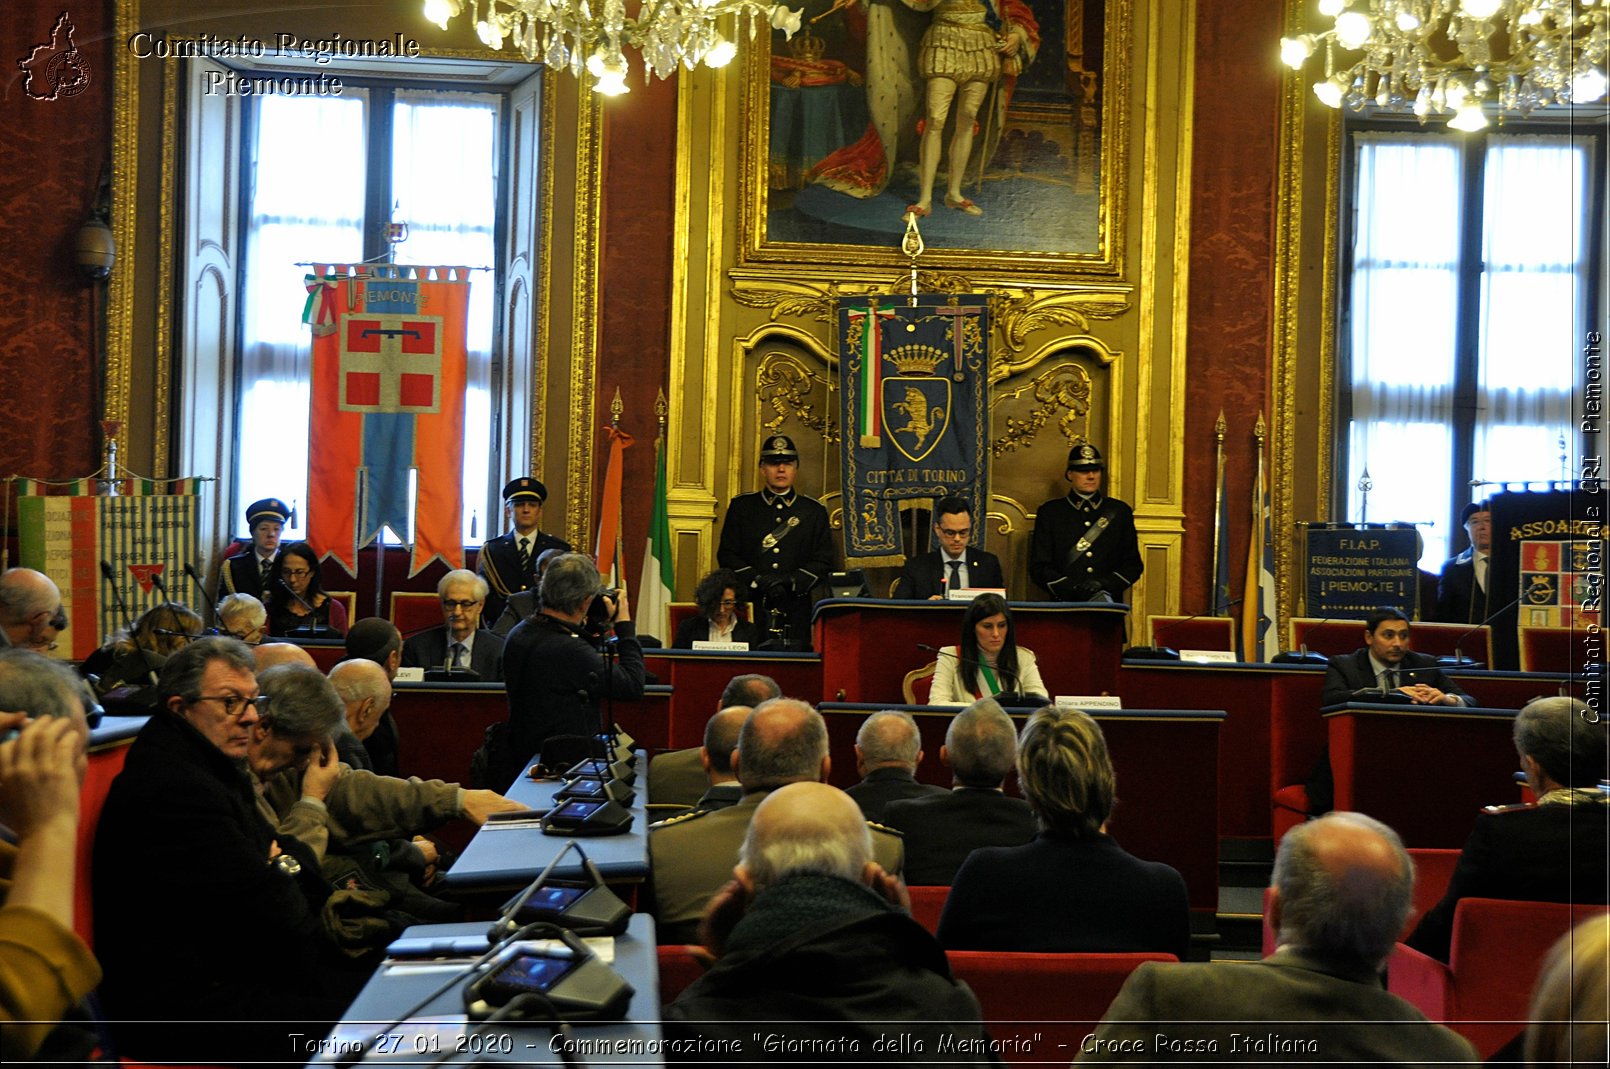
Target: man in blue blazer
pixel 954 565
pixel 460 643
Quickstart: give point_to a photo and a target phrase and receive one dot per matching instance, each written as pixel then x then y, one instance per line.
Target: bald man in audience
pixel 1341 892
pixel 888 749
pixel 366 693
pixel 720 740
pixel 942 829
pixel 690 857
pixel 31 614
pixel 678 777
pixel 810 930
pixel 272 654
pixel 377 639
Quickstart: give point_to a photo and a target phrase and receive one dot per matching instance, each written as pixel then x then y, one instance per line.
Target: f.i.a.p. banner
pixel 913 382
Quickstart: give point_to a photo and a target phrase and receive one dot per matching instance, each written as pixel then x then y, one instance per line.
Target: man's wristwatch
pixel 287 864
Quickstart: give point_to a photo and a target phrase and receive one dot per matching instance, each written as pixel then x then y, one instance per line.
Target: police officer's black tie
pixel 525 554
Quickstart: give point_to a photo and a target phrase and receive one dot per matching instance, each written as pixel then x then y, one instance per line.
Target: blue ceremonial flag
pixel 913 378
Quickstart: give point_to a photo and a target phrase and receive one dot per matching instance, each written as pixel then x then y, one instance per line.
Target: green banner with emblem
pixel 913 403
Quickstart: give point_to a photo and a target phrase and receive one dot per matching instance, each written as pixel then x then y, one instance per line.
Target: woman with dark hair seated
pixel 297 604
pixel 717 599
pixel 988 661
pixel 1073 889
pixel 135 658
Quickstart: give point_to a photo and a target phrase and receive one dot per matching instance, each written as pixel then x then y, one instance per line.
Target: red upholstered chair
pixel 413 611
pixel 1064 994
pixel 927 903
pixel 1483 990
pixel 918 684
pixel 678 611
pixel 678 969
pixel 1550 649
pixel 104 764
pixel 1433 869
pixel 1444 640
pixel 1193 632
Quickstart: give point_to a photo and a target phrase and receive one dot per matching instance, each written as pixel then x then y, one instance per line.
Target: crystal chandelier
pixel 590 34
pixel 1458 56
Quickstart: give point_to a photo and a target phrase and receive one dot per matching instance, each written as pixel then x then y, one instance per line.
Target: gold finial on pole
pixel 1219 427
pixel 912 245
pixel 662 410
pixel 616 407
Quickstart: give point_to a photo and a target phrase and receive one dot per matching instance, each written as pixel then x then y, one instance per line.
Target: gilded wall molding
pixel 542 290
pixel 163 427
pixel 584 296
pixel 125 188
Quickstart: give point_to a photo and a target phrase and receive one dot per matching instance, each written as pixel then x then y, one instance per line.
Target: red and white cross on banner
pixel 391 363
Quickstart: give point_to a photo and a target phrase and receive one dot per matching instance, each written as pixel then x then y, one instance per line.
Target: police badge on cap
pixel 1085 457
pixel 269 508
pixel 778 447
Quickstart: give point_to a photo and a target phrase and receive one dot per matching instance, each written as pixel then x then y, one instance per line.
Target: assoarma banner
pixel 1547 564
pixel 913 375
pixel 147 541
pixel 1354 571
pixel 388 400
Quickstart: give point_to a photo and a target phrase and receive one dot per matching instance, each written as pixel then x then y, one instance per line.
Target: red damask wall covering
pixel 51 155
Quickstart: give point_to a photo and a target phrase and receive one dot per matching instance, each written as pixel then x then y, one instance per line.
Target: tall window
pixel 1468 294
pixel 326 173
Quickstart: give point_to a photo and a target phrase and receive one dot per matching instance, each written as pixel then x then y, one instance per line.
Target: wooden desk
pixel 510 855
pixel 434 1033
pixel 1168 775
pixel 869 644
pixel 697 678
pixel 1511 690
pixel 443 724
pixel 1272 730
pixel 1423 770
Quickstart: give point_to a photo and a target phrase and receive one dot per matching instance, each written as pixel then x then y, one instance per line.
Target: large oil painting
pixel 984 117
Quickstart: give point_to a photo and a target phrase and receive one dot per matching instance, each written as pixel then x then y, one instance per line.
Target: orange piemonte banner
pixel 388 402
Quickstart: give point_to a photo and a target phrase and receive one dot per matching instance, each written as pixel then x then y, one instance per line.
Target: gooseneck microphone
pixel 1160 651
pixel 1458 646
pixel 110 576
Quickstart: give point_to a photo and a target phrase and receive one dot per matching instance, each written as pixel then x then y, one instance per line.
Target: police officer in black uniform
pixel 508 562
pixel 246 571
pixel 1085 547
pixel 777 541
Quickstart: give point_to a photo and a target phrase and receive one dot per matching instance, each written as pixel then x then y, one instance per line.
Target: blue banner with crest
pixel 913 405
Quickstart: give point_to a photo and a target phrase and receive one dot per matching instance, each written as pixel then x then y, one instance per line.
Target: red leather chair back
pixel 678 969
pixel 103 766
pixel 927 903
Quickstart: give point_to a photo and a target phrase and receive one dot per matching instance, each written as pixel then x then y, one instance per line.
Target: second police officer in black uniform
pixel 1085 547
pixel 777 540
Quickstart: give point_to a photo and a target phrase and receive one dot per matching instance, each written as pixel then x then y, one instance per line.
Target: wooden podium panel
pixel 869 644
pixel 1272 727
pixel 697 678
pixel 1168 779
pixel 1423 770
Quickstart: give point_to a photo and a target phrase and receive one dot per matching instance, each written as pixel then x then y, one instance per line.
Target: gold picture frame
pixel 1052 191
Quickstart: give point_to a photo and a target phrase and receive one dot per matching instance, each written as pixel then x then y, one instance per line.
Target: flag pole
pixel 616 408
pixel 1219 428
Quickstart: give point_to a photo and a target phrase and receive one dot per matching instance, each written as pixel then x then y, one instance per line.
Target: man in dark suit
pixel 953 566
pixel 1384 670
pixel 1462 587
pixel 888 749
pixel 1341 892
pixel 246 571
pixel 1551 851
pixel 942 829
pixel 460 644
pixel 1084 546
pixel 677 777
pixel 509 561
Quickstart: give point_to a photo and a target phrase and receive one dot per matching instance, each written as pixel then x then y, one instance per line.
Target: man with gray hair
pixel 1550 851
pixel 366 693
pixel 680 777
pixel 888 749
pixel 941 830
pixel 555 676
pixel 783 741
pixel 460 646
pixel 31 614
pixel 242 616
pixel 1340 894
pixel 375 638
pixel 182 855
pixel 815 938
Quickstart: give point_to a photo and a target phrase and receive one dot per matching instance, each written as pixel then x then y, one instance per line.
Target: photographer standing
pixel 555 673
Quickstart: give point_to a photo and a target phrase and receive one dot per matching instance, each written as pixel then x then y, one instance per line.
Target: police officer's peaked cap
pixel 1085 457
pixel 1473 508
pixel 270 508
pixel 525 488
pixel 778 447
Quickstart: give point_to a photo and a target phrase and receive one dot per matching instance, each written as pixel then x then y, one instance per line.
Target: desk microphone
pixel 1158 652
pixel 1458 653
pixel 1301 655
pixel 195 581
pixel 110 576
pixel 312 626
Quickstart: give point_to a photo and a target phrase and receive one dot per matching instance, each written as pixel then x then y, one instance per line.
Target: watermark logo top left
pixel 55 69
